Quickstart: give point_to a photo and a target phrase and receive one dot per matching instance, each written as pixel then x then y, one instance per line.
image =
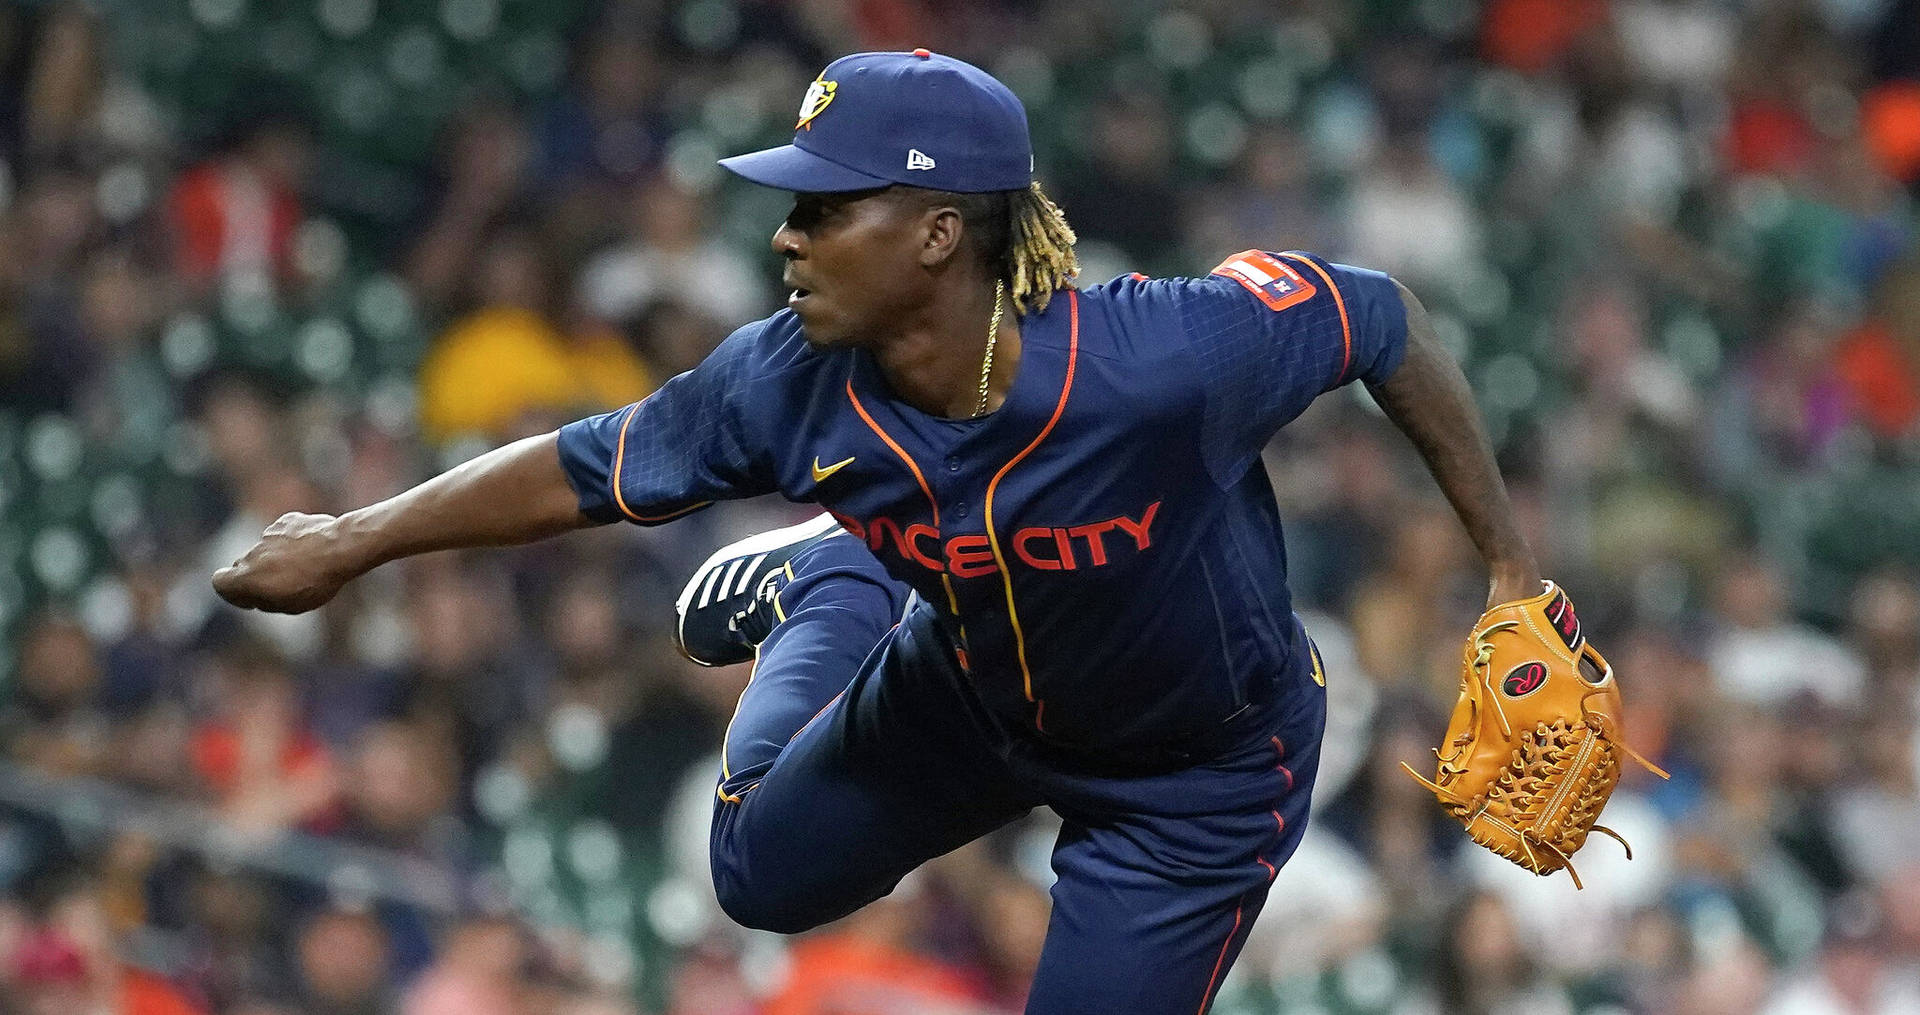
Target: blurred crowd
pixel 257 258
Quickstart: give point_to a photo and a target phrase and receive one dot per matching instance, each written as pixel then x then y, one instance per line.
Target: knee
pixel 757 905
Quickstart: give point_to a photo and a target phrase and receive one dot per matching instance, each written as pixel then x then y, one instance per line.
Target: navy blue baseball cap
pixel 873 119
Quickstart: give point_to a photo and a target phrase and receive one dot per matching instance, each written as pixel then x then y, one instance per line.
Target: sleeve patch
pixel 1267 277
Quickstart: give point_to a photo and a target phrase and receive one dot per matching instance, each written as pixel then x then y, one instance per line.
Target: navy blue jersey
pixel 1103 547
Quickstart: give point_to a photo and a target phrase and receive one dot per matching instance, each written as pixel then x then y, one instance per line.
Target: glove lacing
pixel 1558 756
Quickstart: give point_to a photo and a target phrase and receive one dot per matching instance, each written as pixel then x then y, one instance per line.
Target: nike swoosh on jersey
pixel 820 475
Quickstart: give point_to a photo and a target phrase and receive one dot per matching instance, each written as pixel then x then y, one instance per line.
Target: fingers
pixel 231 582
pixel 280 573
pixel 229 585
pixel 239 585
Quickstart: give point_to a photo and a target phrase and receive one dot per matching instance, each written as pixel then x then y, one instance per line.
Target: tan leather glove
pixel 1534 747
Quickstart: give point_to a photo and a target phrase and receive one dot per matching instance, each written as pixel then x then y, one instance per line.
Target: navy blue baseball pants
pixel 1160 876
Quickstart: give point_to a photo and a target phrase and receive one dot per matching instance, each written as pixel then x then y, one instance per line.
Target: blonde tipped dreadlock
pixel 1020 236
pixel 1041 259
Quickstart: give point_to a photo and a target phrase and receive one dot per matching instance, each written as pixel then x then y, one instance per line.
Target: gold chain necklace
pixel 993 336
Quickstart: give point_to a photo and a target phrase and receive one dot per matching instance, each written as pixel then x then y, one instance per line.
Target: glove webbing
pixel 1559 756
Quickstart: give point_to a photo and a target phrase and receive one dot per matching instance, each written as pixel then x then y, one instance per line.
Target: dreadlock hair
pixel 1024 239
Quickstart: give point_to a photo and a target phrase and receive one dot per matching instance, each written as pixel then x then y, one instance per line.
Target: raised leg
pixel 854 755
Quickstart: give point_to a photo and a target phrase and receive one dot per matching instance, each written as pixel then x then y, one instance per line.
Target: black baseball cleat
pixel 728 605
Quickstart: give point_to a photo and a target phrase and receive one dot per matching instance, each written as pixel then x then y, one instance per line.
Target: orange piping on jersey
pixel 1280 765
pixel 620 459
pixel 1207 996
pixel 953 601
pixel 726 770
pixel 912 466
pixel 1280 829
pixel 750 787
pixel 1346 330
pixel 816 717
pixel 725 774
pixel 993 541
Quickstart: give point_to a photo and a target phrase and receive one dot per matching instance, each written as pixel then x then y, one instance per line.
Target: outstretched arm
pixel 515 494
pixel 1428 399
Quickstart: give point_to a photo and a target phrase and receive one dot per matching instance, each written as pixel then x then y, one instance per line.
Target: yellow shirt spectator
pixel 498 364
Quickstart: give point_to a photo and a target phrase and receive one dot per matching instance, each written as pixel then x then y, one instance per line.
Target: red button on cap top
pixel 924 54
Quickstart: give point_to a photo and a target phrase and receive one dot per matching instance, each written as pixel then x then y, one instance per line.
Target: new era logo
pixel 917 159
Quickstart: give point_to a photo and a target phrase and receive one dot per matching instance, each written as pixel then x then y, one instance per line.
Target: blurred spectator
pixel 1654 958
pixel 152 750
pixel 234 919
pixel 53 721
pixel 402 781
pixel 1884 624
pixel 1485 967
pixel 1127 199
pixel 1398 616
pixel 1878 817
pixel 125 399
pixel 1763 657
pixel 670 254
pixel 1269 202
pixel 1879 361
pixel 1341 497
pixel 1852 976
pixel 478 972
pixel 144 661
pixel 505 369
pixel 264 767
pixel 674 337
pixel 1889 116
pixel 867 961
pixel 1686 46
pixel 1407 219
pixel 1407 846
pixel 1899 900
pixel 48 360
pixel 468 685
pixel 484 176
pixel 1671 241
pixel 1733 981
pixel 1326 913
pixel 234 215
pixel 709 982
pixel 1531 35
pixel 342 960
pixel 1006 915
pixel 605 128
pixel 70 963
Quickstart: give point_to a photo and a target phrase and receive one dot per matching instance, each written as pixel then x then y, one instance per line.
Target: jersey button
pixel 959 510
pixel 953 463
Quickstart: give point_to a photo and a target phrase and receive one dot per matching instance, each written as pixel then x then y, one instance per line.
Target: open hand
pixel 300 562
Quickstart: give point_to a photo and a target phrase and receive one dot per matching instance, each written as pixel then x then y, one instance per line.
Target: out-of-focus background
pixel 259 257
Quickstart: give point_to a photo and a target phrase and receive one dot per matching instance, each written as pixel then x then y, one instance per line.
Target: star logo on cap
pixel 819 96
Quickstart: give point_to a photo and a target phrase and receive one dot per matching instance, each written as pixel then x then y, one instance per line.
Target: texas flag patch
pixel 1267 277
